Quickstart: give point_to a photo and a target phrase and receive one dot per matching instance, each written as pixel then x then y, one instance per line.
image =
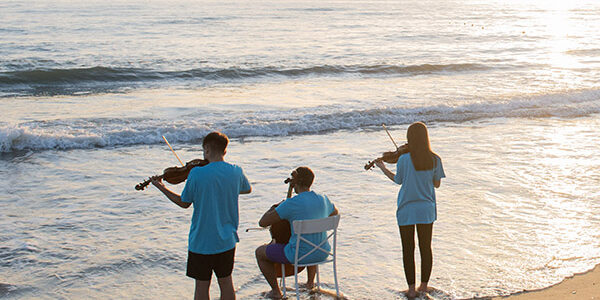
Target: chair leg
pixel 283 279
pixel 318 279
pixel 337 288
pixel 296 278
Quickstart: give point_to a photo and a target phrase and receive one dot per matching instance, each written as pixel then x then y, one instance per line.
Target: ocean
pixel 508 89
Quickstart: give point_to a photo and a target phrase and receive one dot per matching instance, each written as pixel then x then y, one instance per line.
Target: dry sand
pixel 582 286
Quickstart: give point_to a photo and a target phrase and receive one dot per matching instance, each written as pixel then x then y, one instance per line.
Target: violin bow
pixel 388 133
pixel 164 138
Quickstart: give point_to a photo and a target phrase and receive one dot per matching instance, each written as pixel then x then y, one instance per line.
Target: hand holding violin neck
pixel 390 157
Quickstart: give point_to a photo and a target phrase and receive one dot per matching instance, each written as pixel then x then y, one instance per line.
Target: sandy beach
pixel 580 286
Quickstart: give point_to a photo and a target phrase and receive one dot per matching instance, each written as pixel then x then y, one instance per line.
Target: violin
pixel 174 175
pixel 390 157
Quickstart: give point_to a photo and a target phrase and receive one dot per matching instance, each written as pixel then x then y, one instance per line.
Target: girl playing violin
pixel 419 171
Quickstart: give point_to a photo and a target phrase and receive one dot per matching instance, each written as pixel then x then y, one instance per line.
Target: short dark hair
pixel 216 141
pixel 305 176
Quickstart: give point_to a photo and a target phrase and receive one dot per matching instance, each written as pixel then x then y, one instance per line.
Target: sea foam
pixel 99 132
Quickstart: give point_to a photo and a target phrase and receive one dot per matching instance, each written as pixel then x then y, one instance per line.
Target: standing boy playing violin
pixel 306 205
pixel 214 191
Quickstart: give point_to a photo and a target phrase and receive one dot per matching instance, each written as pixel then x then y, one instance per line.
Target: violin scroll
pixel 368 166
pixel 142 185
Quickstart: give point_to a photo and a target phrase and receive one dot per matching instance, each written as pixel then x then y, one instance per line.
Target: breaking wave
pixel 102 132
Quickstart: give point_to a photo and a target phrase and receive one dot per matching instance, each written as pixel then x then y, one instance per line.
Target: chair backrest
pixel 315 226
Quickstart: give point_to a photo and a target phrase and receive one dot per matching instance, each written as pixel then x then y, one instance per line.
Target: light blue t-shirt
pixel 305 206
pixel 416 199
pixel 214 191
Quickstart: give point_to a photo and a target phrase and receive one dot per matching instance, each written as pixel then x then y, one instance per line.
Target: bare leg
pixel 423 287
pixel 226 286
pixel 201 291
pixel 311 272
pixel 268 269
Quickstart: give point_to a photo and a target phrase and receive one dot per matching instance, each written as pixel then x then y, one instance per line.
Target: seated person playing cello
pixel 306 205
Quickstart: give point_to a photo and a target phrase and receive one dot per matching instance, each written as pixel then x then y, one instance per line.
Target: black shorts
pixel 201 266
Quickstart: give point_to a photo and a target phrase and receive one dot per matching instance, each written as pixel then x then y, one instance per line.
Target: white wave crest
pixel 94 133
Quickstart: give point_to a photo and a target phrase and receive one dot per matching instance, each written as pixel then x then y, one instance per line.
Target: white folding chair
pixel 314 226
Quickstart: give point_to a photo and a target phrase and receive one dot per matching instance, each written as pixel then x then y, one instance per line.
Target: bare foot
pixel 411 294
pixel 423 287
pixel 307 286
pixel 273 295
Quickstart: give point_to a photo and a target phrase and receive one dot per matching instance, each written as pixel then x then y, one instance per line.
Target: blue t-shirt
pixel 416 199
pixel 214 191
pixel 305 206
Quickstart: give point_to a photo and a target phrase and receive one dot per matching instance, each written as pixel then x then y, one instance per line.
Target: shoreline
pixel 585 285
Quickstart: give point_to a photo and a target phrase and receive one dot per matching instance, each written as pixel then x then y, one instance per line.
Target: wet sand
pixel 580 286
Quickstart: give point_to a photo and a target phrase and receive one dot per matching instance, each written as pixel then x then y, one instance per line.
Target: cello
pixel 281 233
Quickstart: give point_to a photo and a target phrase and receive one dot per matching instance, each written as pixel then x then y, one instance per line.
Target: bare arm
pixel 437 183
pixel 175 198
pixel 269 218
pixel 379 163
pixel 334 212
